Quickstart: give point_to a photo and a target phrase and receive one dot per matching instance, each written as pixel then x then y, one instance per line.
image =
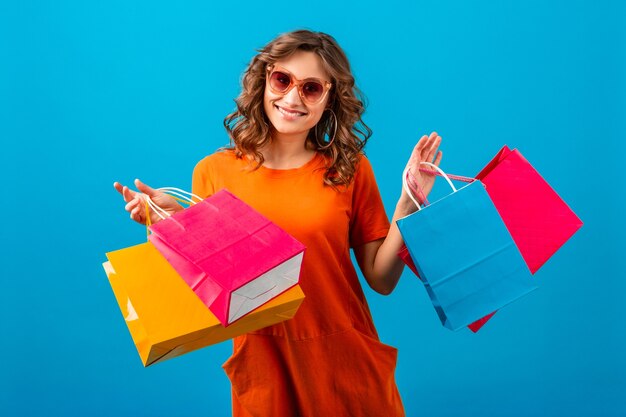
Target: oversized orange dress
pixel 327 360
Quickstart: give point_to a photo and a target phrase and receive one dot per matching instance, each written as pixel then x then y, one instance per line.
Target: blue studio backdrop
pixel 94 92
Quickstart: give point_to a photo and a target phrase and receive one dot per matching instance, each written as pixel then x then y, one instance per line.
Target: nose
pixel 292 98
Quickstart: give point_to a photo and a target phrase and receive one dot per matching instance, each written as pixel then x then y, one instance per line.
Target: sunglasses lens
pixel 280 81
pixel 312 91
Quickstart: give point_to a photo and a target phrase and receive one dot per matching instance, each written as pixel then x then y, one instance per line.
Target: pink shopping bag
pixel 537 218
pixel 232 257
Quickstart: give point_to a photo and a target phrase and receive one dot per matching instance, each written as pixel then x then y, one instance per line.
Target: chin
pixel 288 131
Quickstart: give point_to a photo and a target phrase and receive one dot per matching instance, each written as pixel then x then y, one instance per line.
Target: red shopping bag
pixel 539 221
pixel 231 256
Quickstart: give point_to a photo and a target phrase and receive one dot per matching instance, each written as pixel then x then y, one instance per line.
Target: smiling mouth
pixel 289 113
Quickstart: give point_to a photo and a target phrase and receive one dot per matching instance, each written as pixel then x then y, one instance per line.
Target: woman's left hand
pixel 426 150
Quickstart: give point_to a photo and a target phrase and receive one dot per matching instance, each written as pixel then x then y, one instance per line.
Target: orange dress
pixel 327 360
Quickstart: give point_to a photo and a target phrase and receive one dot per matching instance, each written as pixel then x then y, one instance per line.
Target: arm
pixel 379 259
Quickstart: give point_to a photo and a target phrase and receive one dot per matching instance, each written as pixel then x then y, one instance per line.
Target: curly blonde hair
pixel 248 126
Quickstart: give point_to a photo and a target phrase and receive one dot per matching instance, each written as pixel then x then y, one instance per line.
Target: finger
pixel 428 143
pixel 422 143
pixel 128 194
pixel 433 149
pixel 137 215
pixel 138 218
pixel 438 159
pixel 431 139
pixel 146 189
pixel 134 203
pixel 417 150
pixel 118 187
pixel 139 210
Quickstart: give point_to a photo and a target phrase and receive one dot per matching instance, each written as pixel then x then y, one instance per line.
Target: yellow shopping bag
pixel 164 316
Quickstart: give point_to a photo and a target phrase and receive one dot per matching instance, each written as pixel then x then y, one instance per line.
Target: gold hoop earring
pixel 322 147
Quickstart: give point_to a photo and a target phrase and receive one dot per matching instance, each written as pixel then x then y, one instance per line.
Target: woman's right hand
pixel 136 203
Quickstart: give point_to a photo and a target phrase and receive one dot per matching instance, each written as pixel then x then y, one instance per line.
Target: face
pixel 288 113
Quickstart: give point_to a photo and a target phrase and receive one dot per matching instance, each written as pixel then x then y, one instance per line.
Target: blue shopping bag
pixel 465 255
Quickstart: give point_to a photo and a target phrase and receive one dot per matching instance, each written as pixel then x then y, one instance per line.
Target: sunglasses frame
pixel 293 81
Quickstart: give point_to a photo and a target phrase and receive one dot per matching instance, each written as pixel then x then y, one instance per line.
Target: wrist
pixel 405 205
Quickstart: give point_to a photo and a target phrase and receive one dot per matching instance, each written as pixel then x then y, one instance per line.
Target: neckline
pixel 290 172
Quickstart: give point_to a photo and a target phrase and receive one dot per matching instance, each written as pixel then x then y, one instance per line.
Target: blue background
pixel 92 92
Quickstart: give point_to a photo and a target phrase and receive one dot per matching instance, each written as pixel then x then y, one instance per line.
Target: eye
pixel 281 79
pixel 313 88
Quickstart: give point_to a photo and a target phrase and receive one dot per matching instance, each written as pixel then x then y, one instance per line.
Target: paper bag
pixel 403 253
pixel 165 318
pixel 539 221
pixel 537 218
pixel 465 256
pixel 232 257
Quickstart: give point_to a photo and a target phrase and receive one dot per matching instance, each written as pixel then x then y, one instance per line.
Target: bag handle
pixel 155 207
pixel 179 195
pixel 408 190
pixel 451 176
pixel 415 188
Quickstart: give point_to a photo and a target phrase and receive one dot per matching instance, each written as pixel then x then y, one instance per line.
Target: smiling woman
pixel 301 82
pixel 296 156
pixel 294 107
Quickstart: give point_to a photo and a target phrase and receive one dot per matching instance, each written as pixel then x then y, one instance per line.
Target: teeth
pixel 288 113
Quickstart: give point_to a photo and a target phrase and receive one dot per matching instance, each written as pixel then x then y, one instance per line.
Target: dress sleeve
pixel 202 180
pixel 368 220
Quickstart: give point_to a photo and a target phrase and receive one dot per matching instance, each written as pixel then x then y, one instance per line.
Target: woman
pixel 296 157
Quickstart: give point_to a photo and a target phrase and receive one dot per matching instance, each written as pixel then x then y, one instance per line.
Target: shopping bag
pixel 539 221
pixel 465 256
pixel 403 253
pixel 232 257
pixel 165 318
pixel 537 218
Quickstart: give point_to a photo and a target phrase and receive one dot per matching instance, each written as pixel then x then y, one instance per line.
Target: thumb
pixel 145 188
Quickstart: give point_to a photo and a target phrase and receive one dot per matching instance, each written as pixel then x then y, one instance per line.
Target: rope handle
pixel 451 176
pixel 437 171
pixel 179 195
pixel 413 184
